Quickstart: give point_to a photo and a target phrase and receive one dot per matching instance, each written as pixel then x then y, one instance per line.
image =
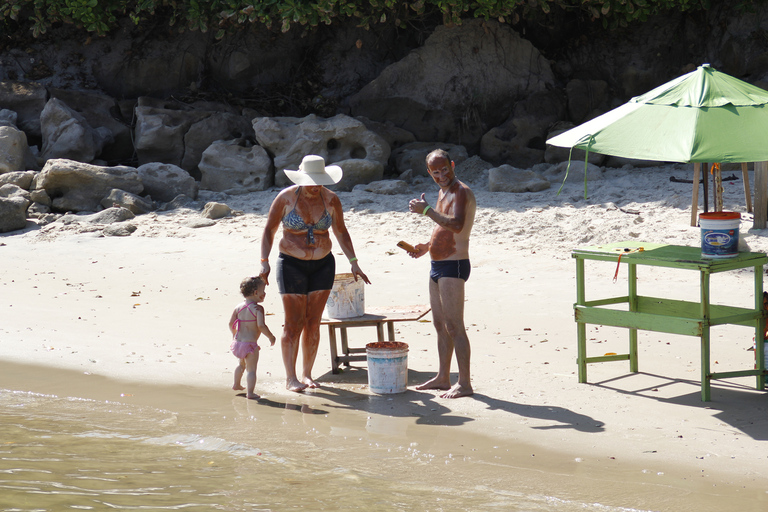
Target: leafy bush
pixel 100 16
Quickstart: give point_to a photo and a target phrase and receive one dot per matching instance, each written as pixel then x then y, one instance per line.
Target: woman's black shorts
pixel 304 276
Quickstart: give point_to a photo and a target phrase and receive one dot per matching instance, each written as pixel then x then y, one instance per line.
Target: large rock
pixel 341 140
pixel 21 179
pixel 506 178
pixel 80 187
pixel 13 213
pixel 464 80
pixel 67 134
pixel 236 167
pixel 413 156
pixel 163 182
pixel 28 100
pixel 101 111
pixel 521 140
pixel 14 151
pixel 180 137
pixel 133 202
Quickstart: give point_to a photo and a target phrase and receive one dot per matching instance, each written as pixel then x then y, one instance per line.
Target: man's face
pixel 441 170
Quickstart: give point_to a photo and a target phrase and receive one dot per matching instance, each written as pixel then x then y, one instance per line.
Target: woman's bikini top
pixel 295 222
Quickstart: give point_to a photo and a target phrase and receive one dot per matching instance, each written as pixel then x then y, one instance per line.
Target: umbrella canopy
pixel 703 116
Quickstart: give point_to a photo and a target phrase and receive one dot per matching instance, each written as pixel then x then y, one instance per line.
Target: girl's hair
pixel 250 285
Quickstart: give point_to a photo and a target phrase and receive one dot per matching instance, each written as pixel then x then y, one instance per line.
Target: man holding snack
pixel 448 248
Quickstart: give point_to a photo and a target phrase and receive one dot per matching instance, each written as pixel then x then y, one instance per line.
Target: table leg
pixel 344 343
pixel 581 328
pixel 334 354
pixel 705 331
pixel 379 331
pixel 759 330
pixel 632 277
pixel 391 331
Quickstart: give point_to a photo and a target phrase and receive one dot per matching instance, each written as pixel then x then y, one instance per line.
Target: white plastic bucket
pixel 347 298
pixel 387 367
pixel 719 234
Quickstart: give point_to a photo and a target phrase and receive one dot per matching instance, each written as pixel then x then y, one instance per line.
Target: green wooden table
pixel 666 315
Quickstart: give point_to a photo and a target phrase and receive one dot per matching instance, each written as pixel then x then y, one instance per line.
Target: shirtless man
pixel 448 247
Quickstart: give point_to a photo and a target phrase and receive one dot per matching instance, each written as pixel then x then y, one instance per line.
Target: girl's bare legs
pixel 295 307
pixel 311 335
pixel 251 361
pixel 238 386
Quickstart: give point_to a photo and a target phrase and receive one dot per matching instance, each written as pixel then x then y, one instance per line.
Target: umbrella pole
pixel 717 186
pixel 695 201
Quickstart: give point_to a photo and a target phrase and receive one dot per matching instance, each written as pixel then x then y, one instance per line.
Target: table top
pixel 665 255
pixel 382 314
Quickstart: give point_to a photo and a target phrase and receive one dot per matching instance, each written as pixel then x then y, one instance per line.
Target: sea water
pixel 69 453
pixel 75 454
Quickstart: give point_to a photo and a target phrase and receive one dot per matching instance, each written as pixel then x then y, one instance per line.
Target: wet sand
pixel 142 320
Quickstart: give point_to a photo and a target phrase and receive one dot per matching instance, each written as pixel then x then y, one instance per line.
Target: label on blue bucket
pixel 719 242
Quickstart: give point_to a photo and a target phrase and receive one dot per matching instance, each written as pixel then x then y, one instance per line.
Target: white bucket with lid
pixel 719 234
pixel 347 298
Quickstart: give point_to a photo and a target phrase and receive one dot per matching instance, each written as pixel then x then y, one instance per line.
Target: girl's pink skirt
pixel 242 348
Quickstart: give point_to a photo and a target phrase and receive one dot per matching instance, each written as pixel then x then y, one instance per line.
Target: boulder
pixel 180 137
pixel 163 182
pixel 235 167
pixel 473 170
pixel 101 112
pixel 108 216
pixel 13 213
pixel 414 156
pixel 28 100
pixel 386 187
pixel 506 178
pixel 122 199
pixel 78 187
pixel 67 134
pixel 122 229
pixel 463 80
pixel 9 190
pixel 14 150
pixel 21 179
pixel 216 211
pixel 521 140
pixel 341 140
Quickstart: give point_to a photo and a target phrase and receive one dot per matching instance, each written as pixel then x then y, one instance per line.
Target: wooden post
pixel 747 193
pixel 695 201
pixel 761 195
pixel 717 188
pixel 705 180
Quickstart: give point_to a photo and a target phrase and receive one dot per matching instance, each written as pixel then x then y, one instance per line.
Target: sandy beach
pixel 143 320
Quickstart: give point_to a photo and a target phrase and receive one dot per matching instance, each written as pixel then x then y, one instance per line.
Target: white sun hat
pixel 313 171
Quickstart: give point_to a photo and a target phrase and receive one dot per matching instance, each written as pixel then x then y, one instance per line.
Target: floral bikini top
pixel 294 222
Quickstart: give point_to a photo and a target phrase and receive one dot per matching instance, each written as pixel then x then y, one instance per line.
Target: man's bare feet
pixel 435 383
pixel 295 385
pixel 310 383
pixel 238 387
pixel 457 391
pixel 254 396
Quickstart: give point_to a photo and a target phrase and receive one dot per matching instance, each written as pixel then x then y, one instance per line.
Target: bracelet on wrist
pixel 424 211
pixel 352 260
pixel 264 259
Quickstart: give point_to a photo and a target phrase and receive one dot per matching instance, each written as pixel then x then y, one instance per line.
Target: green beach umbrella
pixel 703 116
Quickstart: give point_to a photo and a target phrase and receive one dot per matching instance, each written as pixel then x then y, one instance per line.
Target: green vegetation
pixel 98 17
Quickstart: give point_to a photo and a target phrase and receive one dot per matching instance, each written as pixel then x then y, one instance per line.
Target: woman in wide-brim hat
pixel 306 267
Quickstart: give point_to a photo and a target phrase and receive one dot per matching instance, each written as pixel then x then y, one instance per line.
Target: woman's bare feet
pixel 458 391
pixel 238 387
pixel 435 383
pixel 295 385
pixel 253 396
pixel 310 383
